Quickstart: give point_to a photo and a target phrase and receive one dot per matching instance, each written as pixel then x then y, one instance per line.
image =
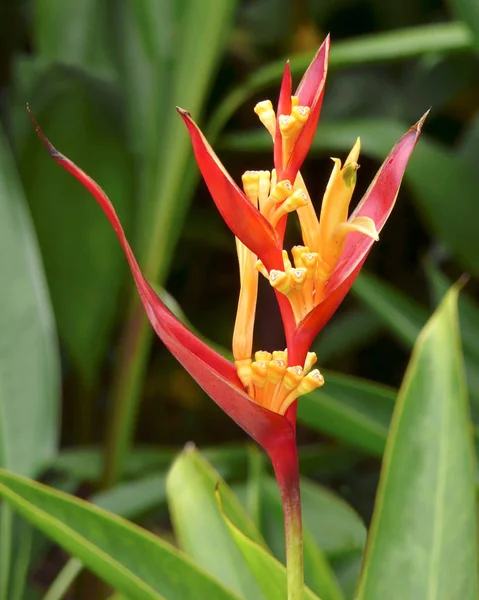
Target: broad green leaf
pixel 422 541
pixel 347 569
pixel 354 410
pixel 74 34
pixel 194 62
pixel 468 309
pixel 404 318
pixel 132 560
pixel 131 499
pixel 199 526
pixel 318 573
pixel 268 571
pixel 434 176
pixel 29 361
pixel 144 42
pixel 83 261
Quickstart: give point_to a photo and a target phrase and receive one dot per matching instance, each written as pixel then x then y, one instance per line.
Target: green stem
pixel 286 469
pixel 127 383
pixel 22 561
pixel 6 518
pixel 64 579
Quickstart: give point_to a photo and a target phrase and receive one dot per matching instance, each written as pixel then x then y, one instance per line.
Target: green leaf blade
pixel 422 541
pixel 199 526
pixel 29 359
pixel 132 560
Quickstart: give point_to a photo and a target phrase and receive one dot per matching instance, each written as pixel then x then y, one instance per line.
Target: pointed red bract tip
pixel 212 372
pixel 377 204
pixel 244 220
pixel 52 151
pixel 283 108
pixel 311 93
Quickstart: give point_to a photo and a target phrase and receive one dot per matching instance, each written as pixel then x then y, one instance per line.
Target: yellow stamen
pixel 280 280
pixel 243 368
pixel 301 114
pixel 245 314
pixel 250 181
pixel 298 277
pixel 311 359
pixel 262 356
pixel 263 189
pixel 261 269
pixel 312 381
pixel 307 218
pixel 287 126
pixel 266 115
pixel 259 370
pixel 293 202
pixel 286 262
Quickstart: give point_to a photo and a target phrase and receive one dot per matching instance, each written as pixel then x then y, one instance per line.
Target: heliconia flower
pixel 216 376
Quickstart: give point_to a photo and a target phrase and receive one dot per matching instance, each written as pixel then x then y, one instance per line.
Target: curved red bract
pixel 216 375
pixel 244 220
pixel 311 93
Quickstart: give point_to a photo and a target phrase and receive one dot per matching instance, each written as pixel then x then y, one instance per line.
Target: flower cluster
pixel 310 281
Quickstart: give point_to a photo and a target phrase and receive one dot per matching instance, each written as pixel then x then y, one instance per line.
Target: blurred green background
pixel 102 78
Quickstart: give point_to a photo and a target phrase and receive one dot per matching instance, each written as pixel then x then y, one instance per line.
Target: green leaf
pixel 353 410
pixel 402 315
pixel 132 560
pixel 422 542
pixel 144 37
pixel 199 526
pixel 75 34
pixel 468 12
pixel 83 261
pixel 29 361
pixel 401 44
pixel 434 176
pixel 468 309
pixel 196 59
pixel 404 318
pixel 346 334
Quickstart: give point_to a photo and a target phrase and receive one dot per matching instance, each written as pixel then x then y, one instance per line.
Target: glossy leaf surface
pixel 129 558
pixel 427 487
pixel 199 525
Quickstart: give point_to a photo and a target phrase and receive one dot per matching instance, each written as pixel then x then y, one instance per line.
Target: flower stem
pixel 286 469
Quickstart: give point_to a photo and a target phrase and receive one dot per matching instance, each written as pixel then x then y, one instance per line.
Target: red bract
pixel 310 92
pixel 377 204
pixel 244 220
pixel 216 375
